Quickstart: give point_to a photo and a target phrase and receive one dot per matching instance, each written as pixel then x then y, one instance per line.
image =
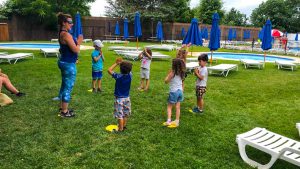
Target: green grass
pixel 33 136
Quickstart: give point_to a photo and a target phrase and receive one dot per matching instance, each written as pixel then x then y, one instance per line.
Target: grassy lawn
pixel 33 136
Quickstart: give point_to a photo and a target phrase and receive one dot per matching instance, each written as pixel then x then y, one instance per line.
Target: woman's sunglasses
pixel 69 22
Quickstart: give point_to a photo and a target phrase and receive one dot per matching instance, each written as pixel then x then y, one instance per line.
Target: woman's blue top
pixel 67 55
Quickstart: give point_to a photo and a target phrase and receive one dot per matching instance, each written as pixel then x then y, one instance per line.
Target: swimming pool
pixel 35 46
pixel 28 45
pixel 238 56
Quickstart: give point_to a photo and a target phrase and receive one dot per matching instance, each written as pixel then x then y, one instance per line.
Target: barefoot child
pixel 201 73
pixel 97 65
pixel 175 78
pixel 122 104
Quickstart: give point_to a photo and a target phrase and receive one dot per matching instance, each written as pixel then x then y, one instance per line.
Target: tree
pixel 235 18
pixel 282 14
pixel 44 11
pixel 177 10
pixel 207 8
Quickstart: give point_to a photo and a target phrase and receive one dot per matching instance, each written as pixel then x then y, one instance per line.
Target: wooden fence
pixel 103 28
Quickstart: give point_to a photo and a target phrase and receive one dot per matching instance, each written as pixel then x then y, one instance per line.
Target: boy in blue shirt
pixel 97 65
pixel 122 104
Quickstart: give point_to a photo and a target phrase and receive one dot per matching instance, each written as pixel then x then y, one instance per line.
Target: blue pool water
pixel 28 45
pixel 238 56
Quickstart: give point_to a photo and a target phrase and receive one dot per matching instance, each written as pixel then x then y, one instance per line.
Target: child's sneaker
pixel 94 90
pixel 67 114
pixel 140 89
pixel 20 94
pixel 100 90
pixel 174 124
pixel 167 123
pixel 196 110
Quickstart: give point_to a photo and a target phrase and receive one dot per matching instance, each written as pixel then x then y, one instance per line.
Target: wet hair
pixel 149 51
pixel 203 57
pixel 125 67
pixel 181 54
pixel 178 66
pixel 61 17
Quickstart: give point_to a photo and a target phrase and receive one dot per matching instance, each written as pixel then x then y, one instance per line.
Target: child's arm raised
pixel 112 67
pixel 147 54
pixel 169 76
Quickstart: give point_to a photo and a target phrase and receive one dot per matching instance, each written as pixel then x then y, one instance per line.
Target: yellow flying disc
pixel 111 127
pixel 91 90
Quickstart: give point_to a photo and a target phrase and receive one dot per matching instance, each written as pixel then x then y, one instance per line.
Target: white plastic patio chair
pixel 274 144
pixel 161 47
pixel 54 40
pixel 49 52
pixel 15 56
pixel 285 65
pixel 222 69
pixel 252 63
pixel 87 40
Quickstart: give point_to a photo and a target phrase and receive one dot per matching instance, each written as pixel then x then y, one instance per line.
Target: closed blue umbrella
pixel 230 34
pixel 77 29
pixel 137 28
pixel 296 37
pixel 204 33
pixel 234 34
pixel 249 34
pixel 192 37
pixel 117 29
pixel 126 34
pixel 182 33
pixel 214 42
pixel 245 34
pixel 267 37
pixel 159 31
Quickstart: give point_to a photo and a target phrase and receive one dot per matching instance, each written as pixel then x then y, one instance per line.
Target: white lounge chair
pixel 122 48
pixel 191 66
pixel 49 52
pixel 252 63
pixel 274 144
pixel 222 69
pixel 87 40
pixel 134 56
pixel 15 56
pixel 54 40
pixel 195 59
pixel 3 53
pixel 285 65
pixel 162 47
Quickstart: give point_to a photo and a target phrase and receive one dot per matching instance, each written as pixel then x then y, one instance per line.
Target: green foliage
pixel 235 18
pixel 44 11
pixel 33 136
pixel 282 14
pixel 207 8
pixel 177 10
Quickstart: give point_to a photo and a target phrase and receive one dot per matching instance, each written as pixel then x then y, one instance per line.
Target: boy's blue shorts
pixel 97 75
pixel 175 97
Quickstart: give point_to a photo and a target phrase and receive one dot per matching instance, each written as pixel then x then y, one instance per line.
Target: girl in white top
pixel 175 78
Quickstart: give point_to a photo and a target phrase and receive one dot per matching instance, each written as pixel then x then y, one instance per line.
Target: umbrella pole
pixel 192 52
pixel 265 57
pixel 137 43
pixel 211 57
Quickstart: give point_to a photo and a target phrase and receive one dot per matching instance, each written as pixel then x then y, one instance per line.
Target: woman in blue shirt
pixel 69 49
